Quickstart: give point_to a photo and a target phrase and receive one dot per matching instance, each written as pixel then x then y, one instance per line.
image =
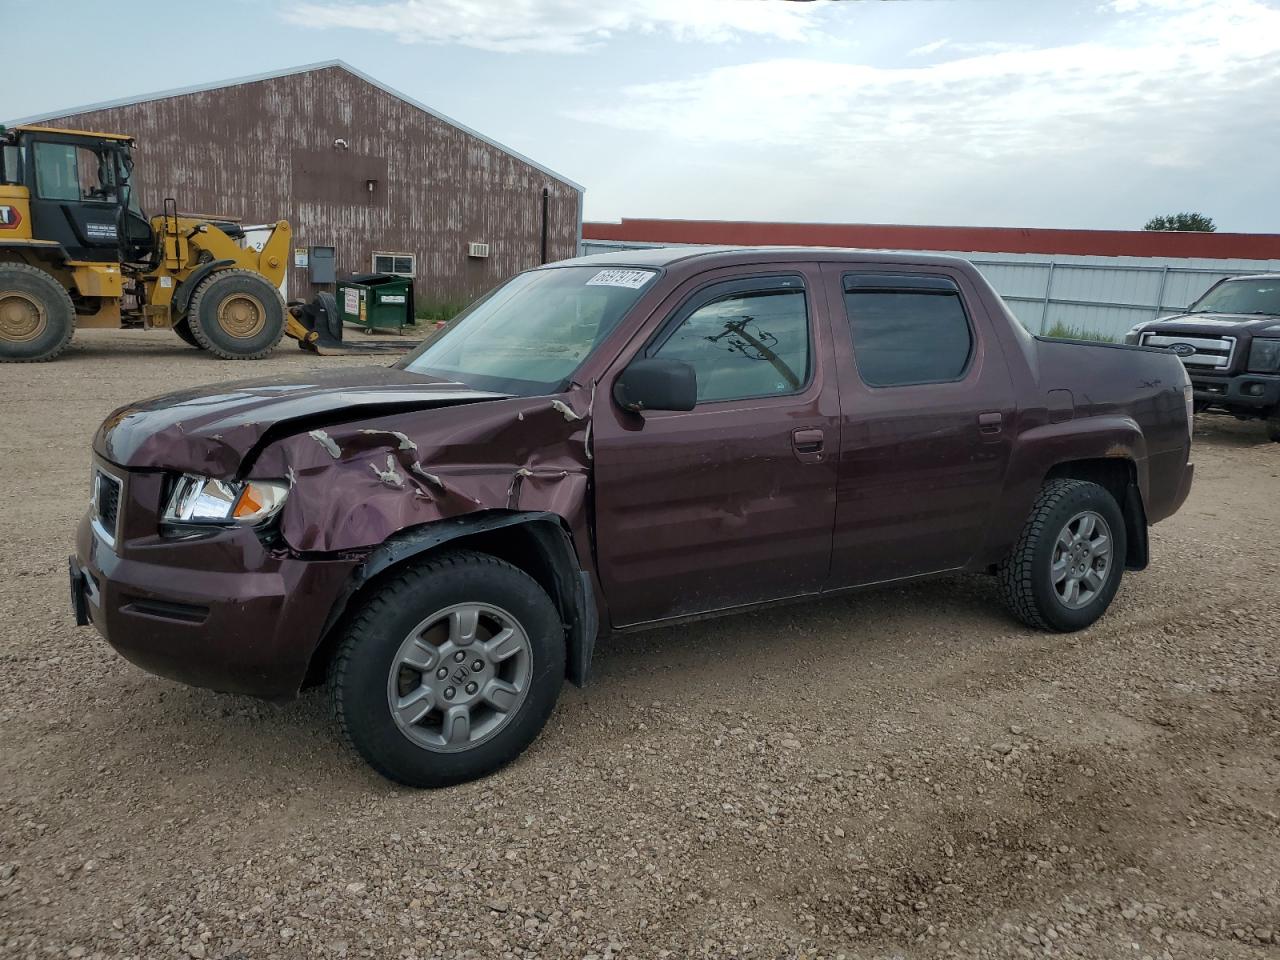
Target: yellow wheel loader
pixel 76 248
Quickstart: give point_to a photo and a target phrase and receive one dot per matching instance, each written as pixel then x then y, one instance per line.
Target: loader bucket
pixel 317 326
pixel 321 322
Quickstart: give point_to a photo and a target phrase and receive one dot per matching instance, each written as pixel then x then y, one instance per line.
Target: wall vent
pixel 477 249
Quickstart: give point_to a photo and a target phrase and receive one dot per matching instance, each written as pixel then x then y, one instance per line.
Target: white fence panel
pixel 1099 295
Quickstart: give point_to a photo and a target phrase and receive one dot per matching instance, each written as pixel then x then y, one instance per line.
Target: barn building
pixel 370 179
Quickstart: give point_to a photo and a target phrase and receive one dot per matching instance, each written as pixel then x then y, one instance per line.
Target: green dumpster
pixel 376 301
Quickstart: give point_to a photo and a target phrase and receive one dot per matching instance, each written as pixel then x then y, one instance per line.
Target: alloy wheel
pixel 1081 559
pixel 459 677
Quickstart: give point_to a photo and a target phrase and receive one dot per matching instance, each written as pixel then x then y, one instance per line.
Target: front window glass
pixel 752 344
pixel 528 336
pixel 67 172
pixel 1241 296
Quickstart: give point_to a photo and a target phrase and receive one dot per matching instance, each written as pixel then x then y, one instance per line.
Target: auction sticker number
pixel 634 279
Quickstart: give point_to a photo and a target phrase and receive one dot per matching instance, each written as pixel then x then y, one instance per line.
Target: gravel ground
pixel 905 773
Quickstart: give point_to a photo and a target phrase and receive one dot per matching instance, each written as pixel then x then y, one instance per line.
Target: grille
pixel 106 504
pixel 1207 353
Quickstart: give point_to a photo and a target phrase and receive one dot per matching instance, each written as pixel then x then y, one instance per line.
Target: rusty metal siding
pixel 264 151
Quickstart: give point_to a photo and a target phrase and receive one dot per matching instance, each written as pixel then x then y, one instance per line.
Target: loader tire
pixel 37 317
pixel 237 315
pixel 183 329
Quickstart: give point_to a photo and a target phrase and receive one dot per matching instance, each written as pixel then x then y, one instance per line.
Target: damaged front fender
pixel 355 485
pixel 403 484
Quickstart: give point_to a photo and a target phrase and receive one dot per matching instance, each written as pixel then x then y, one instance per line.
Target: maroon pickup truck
pixel 613 443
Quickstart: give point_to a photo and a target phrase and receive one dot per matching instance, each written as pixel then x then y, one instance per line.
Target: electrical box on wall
pixel 323 265
pixel 477 249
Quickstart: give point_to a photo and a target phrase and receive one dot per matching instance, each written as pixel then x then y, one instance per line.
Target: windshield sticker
pixel 635 279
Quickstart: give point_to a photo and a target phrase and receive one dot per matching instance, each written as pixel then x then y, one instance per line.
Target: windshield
pixel 1241 296
pixel 529 335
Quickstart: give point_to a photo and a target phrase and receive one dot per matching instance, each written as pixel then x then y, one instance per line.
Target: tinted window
pixel 751 344
pixel 908 336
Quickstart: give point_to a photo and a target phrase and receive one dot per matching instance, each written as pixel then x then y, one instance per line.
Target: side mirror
pixel 653 383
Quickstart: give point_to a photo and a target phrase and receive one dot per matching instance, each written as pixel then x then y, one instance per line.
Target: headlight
pixel 205 500
pixel 1264 356
pixel 1135 332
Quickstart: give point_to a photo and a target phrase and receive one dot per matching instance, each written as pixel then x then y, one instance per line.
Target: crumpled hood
pixel 211 429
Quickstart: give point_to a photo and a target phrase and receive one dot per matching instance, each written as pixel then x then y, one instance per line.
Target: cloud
pixel 1161 94
pixel 558 26
pixel 927 48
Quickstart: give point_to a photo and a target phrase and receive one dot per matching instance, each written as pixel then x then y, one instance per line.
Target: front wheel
pixel 449 670
pixel 237 315
pixel 1273 427
pixel 1066 567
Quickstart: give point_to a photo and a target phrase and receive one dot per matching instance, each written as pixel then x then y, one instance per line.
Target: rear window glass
pixel 905 337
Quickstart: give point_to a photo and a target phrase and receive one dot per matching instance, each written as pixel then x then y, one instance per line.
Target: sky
pixel 1032 113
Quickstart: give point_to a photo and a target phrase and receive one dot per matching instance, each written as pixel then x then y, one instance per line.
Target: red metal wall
pixel 264 151
pixel 1115 243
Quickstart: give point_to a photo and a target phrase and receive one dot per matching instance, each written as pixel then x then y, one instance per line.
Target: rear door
pixel 733 502
pixel 926 410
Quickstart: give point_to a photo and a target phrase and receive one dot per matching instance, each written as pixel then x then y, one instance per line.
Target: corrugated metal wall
pixel 264 151
pixel 1105 295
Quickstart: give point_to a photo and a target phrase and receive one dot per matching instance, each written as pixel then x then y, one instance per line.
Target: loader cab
pixel 80 192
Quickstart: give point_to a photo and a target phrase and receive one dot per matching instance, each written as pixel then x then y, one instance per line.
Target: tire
pixel 1031 578
pixel 237 315
pixel 1273 428
pixel 183 329
pixel 37 317
pixel 432 601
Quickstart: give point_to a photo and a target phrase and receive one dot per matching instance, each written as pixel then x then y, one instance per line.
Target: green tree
pixel 1182 221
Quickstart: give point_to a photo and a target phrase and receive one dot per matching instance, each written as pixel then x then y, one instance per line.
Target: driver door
pixel 733 502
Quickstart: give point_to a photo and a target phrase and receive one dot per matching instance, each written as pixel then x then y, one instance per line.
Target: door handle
pixel 808 444
pixel 990 424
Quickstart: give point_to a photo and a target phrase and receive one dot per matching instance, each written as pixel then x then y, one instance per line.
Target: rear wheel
pixel 37 317
pixel 1273 427
pixel 449 670
pixel 237 315
pixel 1066 567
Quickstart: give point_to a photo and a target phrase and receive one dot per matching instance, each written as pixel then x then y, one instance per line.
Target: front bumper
pixel 219 611
pixel 1255 392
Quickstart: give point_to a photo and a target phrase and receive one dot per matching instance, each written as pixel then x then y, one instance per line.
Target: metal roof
pixel 665 256
pixel 897 236
pixel 275 74
pixel 34 128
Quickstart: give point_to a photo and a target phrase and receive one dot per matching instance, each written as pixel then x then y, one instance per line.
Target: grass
pixel 438 310
pixel 1063 331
